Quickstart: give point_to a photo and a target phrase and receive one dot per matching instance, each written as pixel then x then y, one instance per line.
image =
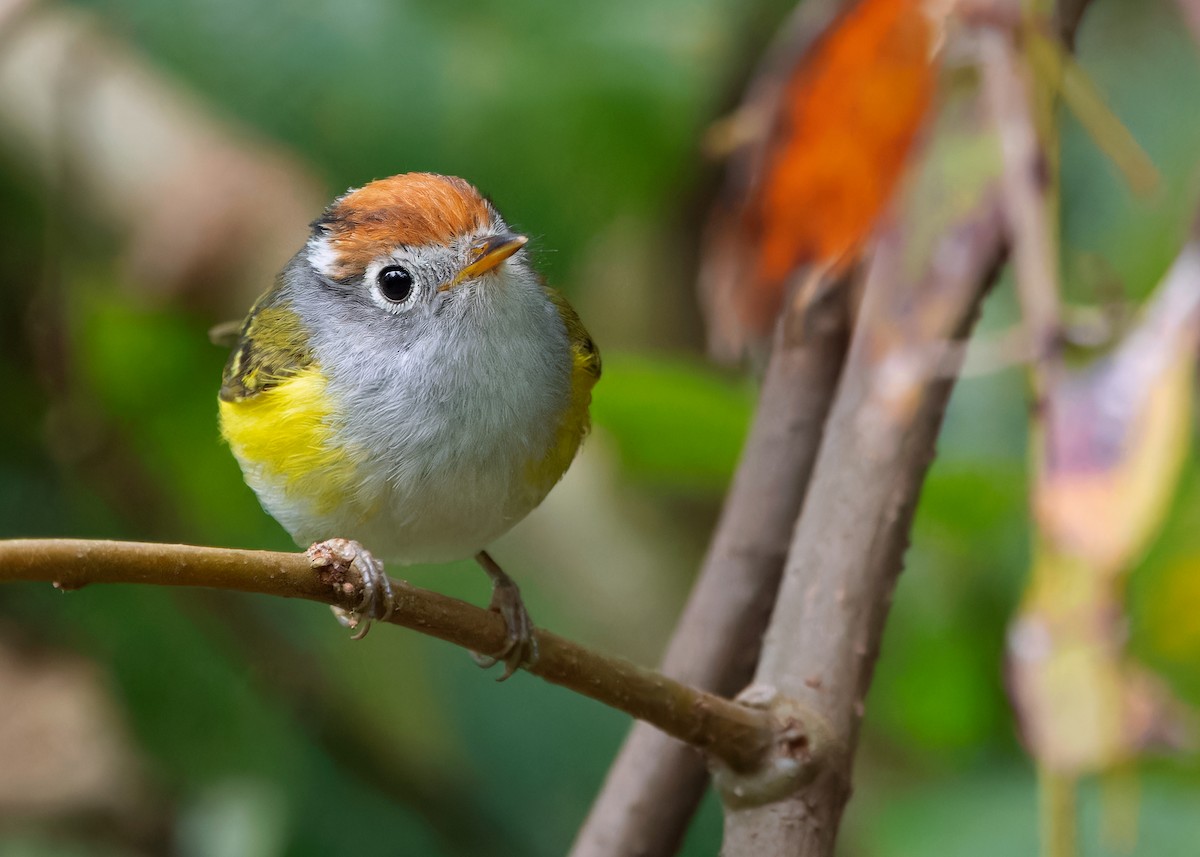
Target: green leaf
pixel 675 422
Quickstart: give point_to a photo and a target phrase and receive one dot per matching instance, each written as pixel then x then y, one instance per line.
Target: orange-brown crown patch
pixel 413 209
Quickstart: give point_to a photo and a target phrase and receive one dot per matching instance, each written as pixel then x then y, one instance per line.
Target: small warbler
pixel 410 388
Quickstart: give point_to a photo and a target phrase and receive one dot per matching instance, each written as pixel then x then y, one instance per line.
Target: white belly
pixel 452 516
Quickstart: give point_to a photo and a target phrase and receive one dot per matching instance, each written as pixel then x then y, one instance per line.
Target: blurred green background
pixel 210 724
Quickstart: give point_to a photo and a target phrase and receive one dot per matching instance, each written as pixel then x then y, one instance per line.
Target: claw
pixel 377 601
pixel 521 646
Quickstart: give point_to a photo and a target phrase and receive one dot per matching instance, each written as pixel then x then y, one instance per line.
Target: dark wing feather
pixel 273 347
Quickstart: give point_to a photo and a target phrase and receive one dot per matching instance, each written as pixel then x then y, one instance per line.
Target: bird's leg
pixel 506 600
pixel 377 601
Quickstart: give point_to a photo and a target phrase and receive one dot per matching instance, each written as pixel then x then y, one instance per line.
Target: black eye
pixel 395 283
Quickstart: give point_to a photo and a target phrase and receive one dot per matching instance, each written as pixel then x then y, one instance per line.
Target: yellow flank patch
pixel 543 473
pixel 283 434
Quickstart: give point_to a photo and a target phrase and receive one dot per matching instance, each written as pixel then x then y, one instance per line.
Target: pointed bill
pixel 487 254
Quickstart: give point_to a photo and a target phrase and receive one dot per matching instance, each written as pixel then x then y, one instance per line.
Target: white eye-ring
pixel 394 287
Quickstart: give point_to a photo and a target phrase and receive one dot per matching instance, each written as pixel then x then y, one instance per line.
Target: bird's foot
pixel 340 556
pixel 521 646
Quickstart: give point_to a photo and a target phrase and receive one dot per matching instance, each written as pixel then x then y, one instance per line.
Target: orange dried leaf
pixel 846 122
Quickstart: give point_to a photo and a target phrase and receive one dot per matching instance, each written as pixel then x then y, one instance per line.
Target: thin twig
pixel 1007 93
pixel 740 736
pixel 1061 71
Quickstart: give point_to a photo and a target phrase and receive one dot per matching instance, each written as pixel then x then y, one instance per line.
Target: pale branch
pixel 847 550
pixel 656 782
pixel 921 296
pixel 741 737
pixel 195 199
pixel 652 788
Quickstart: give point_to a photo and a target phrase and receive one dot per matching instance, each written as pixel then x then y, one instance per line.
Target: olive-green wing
pixel 583 348
pixel 272 348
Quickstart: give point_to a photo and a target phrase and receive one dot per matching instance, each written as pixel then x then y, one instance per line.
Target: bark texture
pixel 656 781
pixel 848 546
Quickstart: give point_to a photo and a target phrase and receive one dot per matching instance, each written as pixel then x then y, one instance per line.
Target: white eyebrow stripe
pixel 322 256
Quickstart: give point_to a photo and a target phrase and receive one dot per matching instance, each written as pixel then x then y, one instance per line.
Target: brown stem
pixel 656 782
pixel 848 546
pixel 653 787
pixel 741 737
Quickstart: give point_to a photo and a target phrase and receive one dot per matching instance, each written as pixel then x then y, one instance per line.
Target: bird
pixel 410 388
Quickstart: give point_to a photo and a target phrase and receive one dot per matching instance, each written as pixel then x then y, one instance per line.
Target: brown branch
pixel 656 782
pixel 741 737
pixel 845 557
pixel 653 787
pixel 848 546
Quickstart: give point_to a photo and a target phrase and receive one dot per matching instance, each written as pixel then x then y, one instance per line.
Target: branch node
pixel 335 568
pixel 801 744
